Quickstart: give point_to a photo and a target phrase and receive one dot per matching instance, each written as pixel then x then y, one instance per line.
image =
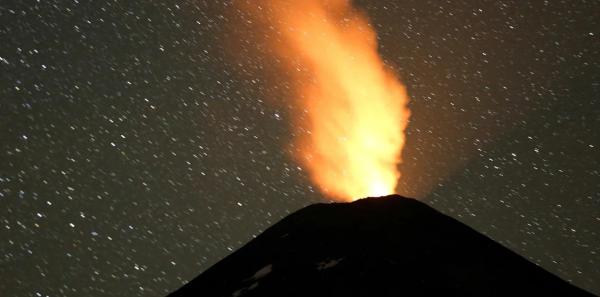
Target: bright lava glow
pixel 352 134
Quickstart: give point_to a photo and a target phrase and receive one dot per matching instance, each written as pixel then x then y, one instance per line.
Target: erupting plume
pixel 351 136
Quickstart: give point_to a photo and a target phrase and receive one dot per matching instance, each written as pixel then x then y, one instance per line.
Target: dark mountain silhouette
pixel 388 246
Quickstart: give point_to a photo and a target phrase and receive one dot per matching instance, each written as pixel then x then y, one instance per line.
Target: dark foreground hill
pixel 388 246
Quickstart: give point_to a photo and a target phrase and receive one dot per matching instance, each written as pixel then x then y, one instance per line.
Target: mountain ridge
pixel 384 246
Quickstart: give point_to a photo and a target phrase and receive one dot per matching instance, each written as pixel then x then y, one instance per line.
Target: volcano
pixel 386 246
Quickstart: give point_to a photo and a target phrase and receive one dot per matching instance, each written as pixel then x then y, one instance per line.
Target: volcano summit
pixel 387 246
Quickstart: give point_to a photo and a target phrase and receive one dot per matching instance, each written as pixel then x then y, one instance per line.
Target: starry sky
pixel 135 152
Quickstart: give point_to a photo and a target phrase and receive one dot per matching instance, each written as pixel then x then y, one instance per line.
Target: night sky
pixel 135 152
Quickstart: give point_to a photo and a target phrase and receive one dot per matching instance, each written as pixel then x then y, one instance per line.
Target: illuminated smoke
pixel 351 135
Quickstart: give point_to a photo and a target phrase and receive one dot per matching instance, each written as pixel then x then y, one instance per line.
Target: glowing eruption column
pixel 356 108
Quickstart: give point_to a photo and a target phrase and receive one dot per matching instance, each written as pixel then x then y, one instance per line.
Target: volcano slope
pixel 386 246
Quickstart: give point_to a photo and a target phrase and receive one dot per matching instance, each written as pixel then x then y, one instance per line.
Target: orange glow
pixel 351 136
